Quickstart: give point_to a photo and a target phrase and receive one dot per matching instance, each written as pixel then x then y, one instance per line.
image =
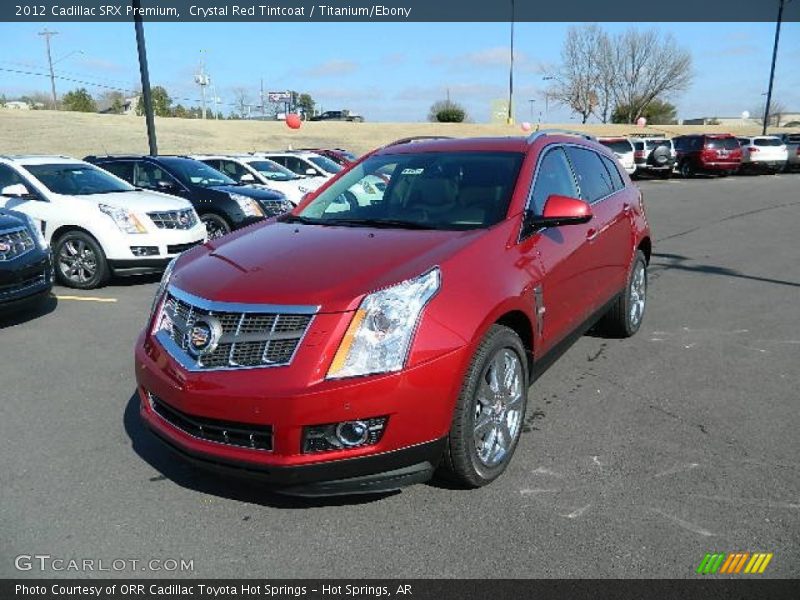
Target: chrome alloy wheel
pixel 498 407
pixel 638 295
pixel 77 261
pixel 214 228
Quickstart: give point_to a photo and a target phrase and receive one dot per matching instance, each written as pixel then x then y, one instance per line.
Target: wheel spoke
pixel 483 424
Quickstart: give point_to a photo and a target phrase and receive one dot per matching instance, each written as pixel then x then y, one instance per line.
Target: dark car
pixel 707 153
pixel 338 115
pixel 337 155
pixel 222 203
pixel 26 271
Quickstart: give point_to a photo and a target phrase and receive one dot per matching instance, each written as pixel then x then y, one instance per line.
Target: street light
pixel 772 68
pixel 531 101
pixel 510 118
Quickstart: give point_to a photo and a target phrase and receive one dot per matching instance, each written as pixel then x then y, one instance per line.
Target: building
pixel 17 105
pixel 783 119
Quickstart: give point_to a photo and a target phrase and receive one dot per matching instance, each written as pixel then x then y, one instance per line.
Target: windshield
pixel 457 190
pixel 273 171
pixel 326 164
pixel 618 146
pixel 194 172
pixel 77 179
pixel 768 142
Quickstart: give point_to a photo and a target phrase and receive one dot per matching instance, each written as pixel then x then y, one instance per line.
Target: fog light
pixel 144 250
pixel 344 435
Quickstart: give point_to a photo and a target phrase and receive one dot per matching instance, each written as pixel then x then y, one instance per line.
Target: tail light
pixel 753 149
pixel 639 154
pixel 797 151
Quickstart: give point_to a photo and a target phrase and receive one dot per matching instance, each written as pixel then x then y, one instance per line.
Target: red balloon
pixel 293 121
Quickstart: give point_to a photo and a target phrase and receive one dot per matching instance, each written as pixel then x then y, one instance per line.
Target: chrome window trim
pixel 213 305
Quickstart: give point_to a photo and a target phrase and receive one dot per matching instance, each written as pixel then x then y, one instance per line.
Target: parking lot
pixel 639 457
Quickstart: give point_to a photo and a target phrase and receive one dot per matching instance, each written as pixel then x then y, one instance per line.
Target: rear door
pixel 608 239
pixel 561 296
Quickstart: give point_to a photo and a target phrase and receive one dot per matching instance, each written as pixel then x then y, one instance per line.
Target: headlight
pixel 36 230
pixel 124 219
pixel 162 287
pixel 380 334
pixel 249 206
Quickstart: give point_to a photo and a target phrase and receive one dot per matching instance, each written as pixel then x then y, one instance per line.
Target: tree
pixel 162 103
pixel 649 65
pixel 776 110
pixel 241 99
pixel 3 100
pixel 112 101
pixel 447 111
pixel 306 104
pixel 37 100
pixel 79 100
pixel 658 112
pixel 578 79
pixel 180 112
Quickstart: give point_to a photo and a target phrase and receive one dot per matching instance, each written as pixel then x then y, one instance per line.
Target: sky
pixel 389 71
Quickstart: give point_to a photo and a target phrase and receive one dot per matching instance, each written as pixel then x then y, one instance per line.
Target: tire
pixel 79 261
pixel 216 226
pixel 625 316
pixel 474 458
pixel 686 169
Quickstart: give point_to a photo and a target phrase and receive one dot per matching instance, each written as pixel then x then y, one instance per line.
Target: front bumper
pixel 161 244
pixel 24 279
pixel 418 403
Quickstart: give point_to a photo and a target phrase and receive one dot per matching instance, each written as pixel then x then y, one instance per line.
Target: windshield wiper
pixel 290 218
pixel 387 223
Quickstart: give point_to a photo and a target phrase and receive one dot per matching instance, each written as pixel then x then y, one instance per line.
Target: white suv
pixel 258 169
pixel 623 150
pixel 765 153
pixel 96 223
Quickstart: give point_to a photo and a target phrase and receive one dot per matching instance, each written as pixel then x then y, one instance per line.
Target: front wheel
pixel 488 418
pixel 625 316
pixel 80 261
pixel 216 226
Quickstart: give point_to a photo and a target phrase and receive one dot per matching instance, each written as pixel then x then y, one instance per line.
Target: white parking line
pixel 86 298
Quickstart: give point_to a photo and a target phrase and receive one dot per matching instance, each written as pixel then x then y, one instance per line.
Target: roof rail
pixel 417 138
pixel 544 132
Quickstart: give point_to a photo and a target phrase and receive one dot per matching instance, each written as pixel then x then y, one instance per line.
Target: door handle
pixel 591 234
pixel 626 208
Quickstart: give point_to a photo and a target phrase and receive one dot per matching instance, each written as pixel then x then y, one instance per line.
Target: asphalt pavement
pixel 639 455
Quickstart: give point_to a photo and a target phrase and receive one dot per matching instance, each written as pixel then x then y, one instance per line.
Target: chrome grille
pixel 174 219
pixel 14 243
pixel 275 207
pixel 247 336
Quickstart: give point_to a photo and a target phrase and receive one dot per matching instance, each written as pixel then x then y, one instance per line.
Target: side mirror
pixel 247 178
pixel 166 186
pixel 311 172
pixel 17 190
pixel 558 211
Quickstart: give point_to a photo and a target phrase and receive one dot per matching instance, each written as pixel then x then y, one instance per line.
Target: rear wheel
pixel 216 226
pixel 625 316
pixel 686 169
pixel 488 418
pixel 80 261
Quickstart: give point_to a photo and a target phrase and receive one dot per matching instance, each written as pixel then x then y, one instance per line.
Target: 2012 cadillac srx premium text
pixel 352 347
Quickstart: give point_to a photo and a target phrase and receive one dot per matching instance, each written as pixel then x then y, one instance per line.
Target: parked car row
pixel 718 153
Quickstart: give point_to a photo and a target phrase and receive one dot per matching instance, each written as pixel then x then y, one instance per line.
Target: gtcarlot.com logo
pixel 734 563
pixel 47 562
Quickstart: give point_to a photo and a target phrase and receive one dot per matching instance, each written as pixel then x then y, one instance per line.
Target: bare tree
pixel 577 79
pixel 648 65
pixel 241 99
pixel 776 110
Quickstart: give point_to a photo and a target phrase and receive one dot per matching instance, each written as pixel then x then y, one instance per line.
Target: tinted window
pixel 9 176
pixel 326 164
pixel 193 172
pixel 613 171
pixel 768 142
pixel 594 181
pixel 123 170
pixel 232 169
pixel 723 143
pixel 554 177
pixel 272 170
pixel 148 175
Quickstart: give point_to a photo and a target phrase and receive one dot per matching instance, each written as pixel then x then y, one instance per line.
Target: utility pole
pixel 202 80
pixel 772 68
pixel 47 35
pixel 263 112
pixel 145 76
pixel 510 118
pixel 531 101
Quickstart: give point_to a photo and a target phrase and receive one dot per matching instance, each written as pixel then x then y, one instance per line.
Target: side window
pixel 553 177
pixel 123 170
pixel 593 180
pixel 214 163
pixel 148 175
pixel 613 171
pixel 232 169
pixel 9 176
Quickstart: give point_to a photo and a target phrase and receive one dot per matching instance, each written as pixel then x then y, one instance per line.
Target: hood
pixel 251 191
pixel 331 267
pixel 138 201
pixel 10 220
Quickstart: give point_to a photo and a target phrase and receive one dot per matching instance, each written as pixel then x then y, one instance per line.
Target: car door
pixel 34 204
pixel 608 239
pixel 561 295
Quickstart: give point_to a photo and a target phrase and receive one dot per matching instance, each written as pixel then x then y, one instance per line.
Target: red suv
pixel 707 153
pixel 353 347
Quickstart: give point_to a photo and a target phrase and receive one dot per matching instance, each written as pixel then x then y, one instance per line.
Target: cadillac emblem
pixel 4 247
pixel 203 337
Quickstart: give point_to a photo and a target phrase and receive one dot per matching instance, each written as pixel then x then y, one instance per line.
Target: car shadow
pixel 172 467
pixel 666 262
pixel 132 280
pixel 23 314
